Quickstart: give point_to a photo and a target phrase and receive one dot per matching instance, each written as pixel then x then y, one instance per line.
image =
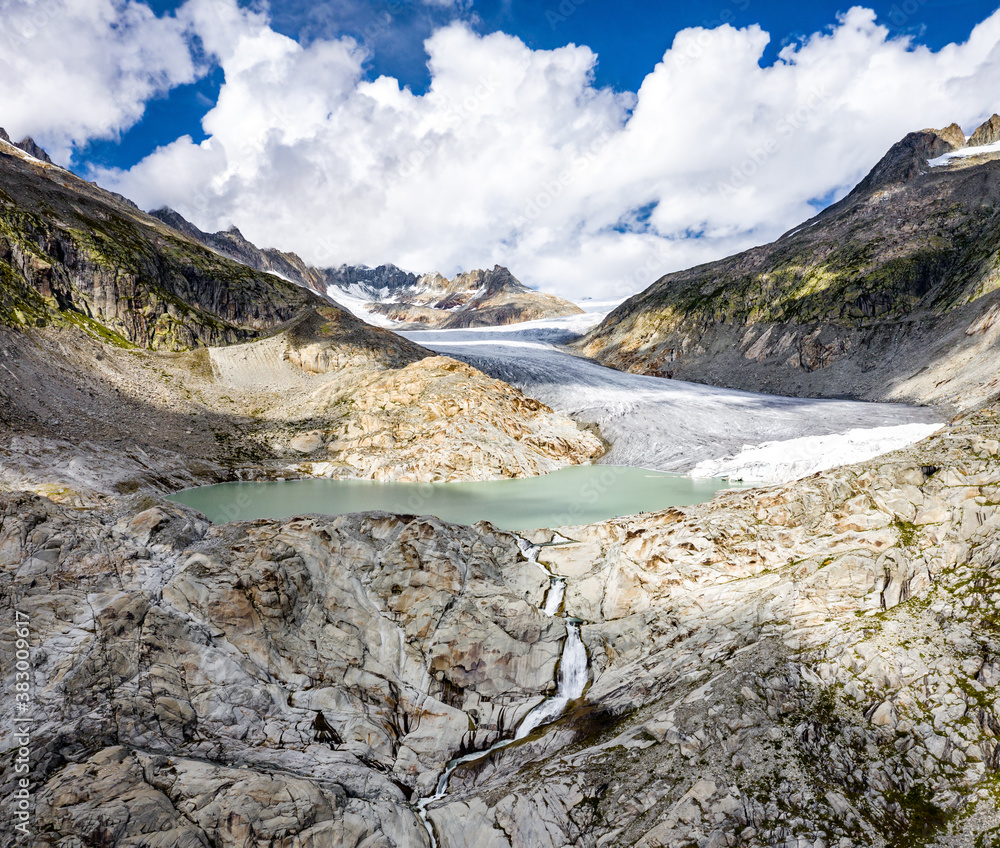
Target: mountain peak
pixel 27 145
pixel 908 159
pixel 988 133
pixel 952 134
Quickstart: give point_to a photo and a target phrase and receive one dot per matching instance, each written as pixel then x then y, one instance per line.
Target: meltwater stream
pixel 574 671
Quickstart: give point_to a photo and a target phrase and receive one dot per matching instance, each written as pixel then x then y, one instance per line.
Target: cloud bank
pixel 513 155
pixel 74 70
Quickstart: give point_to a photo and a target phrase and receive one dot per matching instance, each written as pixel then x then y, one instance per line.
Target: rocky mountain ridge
pixel 472 299
pixel 27 144
pixel 889 294
pixel 117 329
pixel 71 253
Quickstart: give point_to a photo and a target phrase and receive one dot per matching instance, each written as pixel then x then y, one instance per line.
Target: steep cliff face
pixel 898 278
pixel 73 253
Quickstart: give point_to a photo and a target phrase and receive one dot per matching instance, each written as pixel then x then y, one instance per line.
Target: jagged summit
pixel 474 298
pixel 27 145
pixel 953 134
pixel 988 133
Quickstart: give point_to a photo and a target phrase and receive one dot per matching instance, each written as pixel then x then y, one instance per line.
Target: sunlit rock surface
pixel 812 662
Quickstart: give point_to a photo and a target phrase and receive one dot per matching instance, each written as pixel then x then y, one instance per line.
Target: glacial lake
pixel 579 494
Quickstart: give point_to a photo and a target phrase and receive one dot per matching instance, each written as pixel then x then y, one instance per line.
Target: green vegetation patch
pixel 922 821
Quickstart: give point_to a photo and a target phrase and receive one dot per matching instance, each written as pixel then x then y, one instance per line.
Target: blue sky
pixel 629 37
pixel 589 146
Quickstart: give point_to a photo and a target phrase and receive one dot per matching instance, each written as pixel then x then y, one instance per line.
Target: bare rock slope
pixel 814 664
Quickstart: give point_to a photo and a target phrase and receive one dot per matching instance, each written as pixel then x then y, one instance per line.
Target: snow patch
pixel 358 306
pixel 964 153
pixel 792 459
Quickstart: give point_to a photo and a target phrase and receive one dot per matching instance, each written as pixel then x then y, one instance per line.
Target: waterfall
pixel 573 675
pixel 421 806
pixel 554 597
pixel 557 585
pixel 572 681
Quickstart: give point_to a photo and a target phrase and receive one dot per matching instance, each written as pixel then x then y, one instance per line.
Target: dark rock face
pixel 28 145
pixel 232 244
pixel 898 276
pixel 905 160
pixel 71 252
pixel 988 133
pixel 374 279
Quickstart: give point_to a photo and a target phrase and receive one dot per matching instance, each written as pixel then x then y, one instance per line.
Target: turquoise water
pixel 577 495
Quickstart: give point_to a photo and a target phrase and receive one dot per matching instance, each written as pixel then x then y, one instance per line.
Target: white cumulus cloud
pixel 515 156
pixel 74 70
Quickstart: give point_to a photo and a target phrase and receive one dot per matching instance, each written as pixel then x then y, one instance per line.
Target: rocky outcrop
pixel 196 675
pixel 953 135
pixel 28 145
pixel 439 419
pixel 812 662
pixel 883 295
pixel 988 133
pixel 386 278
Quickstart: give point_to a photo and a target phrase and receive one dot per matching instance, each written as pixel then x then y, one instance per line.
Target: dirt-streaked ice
pixel 778 462
pixel 670 425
